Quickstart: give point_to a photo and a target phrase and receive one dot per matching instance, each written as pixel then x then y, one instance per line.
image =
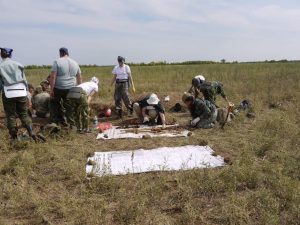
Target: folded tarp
pixel 142 131
pixel 159 159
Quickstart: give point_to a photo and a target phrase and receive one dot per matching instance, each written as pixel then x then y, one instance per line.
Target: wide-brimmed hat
pixel 153 99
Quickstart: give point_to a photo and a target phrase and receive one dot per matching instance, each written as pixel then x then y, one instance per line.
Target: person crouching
pixel 202 115
pixel 150 110
pixel 80 98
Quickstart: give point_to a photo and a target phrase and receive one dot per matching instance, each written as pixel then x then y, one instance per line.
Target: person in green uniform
pixel 202 115
pixel 209 90
pixel 13 85
pixel 80 98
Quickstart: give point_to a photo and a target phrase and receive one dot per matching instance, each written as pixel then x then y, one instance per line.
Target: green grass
pixel 46 183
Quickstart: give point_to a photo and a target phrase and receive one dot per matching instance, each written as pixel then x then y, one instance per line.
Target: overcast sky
pixel 96 31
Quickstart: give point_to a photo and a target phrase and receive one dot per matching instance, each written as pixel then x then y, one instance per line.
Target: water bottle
pixel 95 120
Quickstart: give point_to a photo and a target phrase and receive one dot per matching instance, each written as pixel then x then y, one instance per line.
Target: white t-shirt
pixel 89 87
pixel 121 72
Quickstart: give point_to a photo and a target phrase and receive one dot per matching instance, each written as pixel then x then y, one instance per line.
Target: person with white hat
pixel 150 110
pixel 14 86
pixel 209 90
pixel 196 82
pixel 80 98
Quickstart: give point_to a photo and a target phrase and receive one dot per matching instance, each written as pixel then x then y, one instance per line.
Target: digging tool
pixel 229 110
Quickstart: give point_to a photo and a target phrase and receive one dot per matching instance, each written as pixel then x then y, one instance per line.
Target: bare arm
pixel 191 90
pixel 163 118
pixel 113 80
pixel 79 78
pixel 131 82
pixel 53 75
pixel 130 79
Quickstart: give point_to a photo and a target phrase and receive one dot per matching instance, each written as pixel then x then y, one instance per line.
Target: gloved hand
pixel 146 119
pixel 195 121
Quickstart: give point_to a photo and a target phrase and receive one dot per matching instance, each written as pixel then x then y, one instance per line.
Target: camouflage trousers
pixel 16 107
pixel 61 110
pixel 210 122
pixel 81 112
pixel 121 93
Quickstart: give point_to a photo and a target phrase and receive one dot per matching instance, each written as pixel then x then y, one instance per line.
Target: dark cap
pixel 63 51
pixel 121 59
pixel 6 51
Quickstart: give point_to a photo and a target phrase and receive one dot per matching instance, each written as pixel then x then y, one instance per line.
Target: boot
pixel 131 111
pixel 120 113
pixel 30 132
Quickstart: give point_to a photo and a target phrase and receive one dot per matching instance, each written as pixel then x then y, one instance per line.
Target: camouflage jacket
pixel 210 90
pixel 199 108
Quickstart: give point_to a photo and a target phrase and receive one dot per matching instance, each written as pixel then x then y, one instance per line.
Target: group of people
pixel 65 99
pixel 62 96
pixel 201 102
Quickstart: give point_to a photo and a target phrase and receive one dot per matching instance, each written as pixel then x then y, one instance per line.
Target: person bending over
pixel 202 115
pixel 150 110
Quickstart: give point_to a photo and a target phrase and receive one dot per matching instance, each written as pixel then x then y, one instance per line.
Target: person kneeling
pixel 80 97
pixel 203 116
pixel 150 110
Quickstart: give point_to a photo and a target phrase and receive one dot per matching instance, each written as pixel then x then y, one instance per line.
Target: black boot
pixel 119 113
pixel 30 132
pixel 131 111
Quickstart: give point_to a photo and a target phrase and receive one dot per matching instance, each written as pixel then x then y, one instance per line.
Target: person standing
pixel 122 79
pixel 65 74
pixel 14 87
pixel 81 97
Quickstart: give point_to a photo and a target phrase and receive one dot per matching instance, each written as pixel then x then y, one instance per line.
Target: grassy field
pixel 46 183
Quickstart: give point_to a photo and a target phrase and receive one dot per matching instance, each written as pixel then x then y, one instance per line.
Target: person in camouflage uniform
pixel 80 98
pixel 12 73
pixel 41 102
pixel 209 90
pixel 202 115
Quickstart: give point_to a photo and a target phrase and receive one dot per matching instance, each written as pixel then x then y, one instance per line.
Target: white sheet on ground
pixel 159 159
pixel 122 133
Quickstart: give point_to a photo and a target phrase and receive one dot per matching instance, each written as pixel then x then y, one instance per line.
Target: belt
pixel 121 81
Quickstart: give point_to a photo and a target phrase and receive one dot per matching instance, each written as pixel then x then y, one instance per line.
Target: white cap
pixel 201 77
pixel 95 80
pixel 153 99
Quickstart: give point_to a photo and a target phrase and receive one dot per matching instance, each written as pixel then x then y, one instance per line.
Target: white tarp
pixel 159 159
pixel 122 133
